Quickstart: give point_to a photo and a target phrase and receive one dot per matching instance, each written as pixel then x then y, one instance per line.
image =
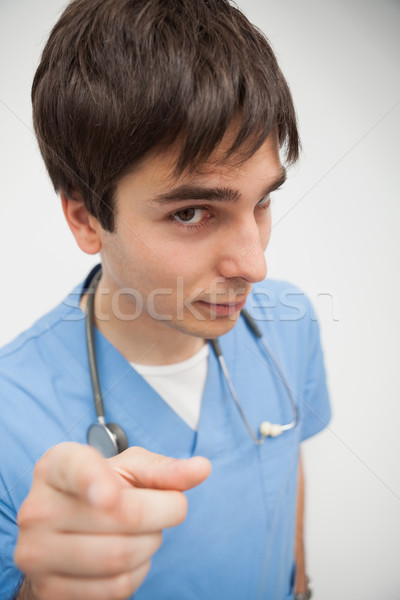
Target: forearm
pixel 301 578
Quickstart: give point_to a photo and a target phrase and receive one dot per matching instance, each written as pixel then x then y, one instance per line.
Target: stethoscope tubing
pixel 112 431
pixel 91 349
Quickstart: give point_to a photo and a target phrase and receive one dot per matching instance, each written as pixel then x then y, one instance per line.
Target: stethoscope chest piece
pixel 108 439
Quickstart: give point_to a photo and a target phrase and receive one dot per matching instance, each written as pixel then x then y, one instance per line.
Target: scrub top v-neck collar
pixel 149 420
pixel 131 402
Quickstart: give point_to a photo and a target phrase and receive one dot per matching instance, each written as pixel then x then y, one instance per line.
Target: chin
pixel 209 329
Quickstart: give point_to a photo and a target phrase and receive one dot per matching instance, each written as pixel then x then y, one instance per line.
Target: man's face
pixel 187 251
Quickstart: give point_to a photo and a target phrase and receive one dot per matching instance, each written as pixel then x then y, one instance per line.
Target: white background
pixel 335 235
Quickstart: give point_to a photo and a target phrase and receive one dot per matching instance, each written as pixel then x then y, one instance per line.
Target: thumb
pixel 145 469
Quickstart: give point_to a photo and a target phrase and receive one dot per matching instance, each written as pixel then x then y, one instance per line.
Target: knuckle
pixel 34 510
pixel 29 513
pixel 22 556
pixel 40 468
pixel 28 554
pixel 26 513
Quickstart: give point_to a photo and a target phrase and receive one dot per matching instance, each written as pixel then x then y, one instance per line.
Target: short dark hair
pixel 119 79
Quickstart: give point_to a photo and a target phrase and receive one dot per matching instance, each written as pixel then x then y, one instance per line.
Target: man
pixel 161 125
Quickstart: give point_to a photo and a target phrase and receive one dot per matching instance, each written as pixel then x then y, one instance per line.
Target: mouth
pixel 222 309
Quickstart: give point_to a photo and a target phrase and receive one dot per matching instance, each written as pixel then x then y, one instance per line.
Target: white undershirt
pixel 180 385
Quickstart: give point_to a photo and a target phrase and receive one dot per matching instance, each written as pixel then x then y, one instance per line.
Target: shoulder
pixel 29 341
pixel 29 363
pixel 35 370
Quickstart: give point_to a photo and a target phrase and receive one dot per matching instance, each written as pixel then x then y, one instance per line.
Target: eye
pixel 189 216
pixel 265 202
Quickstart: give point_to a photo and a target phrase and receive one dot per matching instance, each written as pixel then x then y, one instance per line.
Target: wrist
pixel 25 591
pixel 306 594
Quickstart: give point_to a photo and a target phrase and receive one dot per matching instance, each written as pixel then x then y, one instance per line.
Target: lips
pixel 221 308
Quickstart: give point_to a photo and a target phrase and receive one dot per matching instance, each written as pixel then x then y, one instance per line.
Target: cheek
pixel 186 257
pixel 173 268
pixel 157 261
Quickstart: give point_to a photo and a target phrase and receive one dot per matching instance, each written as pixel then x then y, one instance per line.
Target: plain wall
pixel 335 235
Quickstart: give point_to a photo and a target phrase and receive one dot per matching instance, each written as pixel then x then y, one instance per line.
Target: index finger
pixel 142 468
pixel 80 471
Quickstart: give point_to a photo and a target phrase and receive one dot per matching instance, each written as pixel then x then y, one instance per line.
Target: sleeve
pixel 314 402
pixel 10 576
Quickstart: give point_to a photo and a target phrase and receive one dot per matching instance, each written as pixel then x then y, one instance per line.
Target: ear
pixel 85 228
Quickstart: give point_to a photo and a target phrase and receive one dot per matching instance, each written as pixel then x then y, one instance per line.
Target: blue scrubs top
pixel 237 541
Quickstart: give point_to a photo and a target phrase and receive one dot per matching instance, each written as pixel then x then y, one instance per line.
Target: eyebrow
pixel 188 191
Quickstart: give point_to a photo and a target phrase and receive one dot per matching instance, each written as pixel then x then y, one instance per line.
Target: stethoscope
pixel 110 439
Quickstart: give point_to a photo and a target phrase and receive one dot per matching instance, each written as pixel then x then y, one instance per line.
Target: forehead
pixel 157 172
pixel 222 159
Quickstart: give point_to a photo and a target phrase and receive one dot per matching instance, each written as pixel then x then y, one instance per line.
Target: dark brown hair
pixel 119 79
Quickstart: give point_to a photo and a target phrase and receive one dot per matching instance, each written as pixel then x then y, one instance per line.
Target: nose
pixel 242 251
